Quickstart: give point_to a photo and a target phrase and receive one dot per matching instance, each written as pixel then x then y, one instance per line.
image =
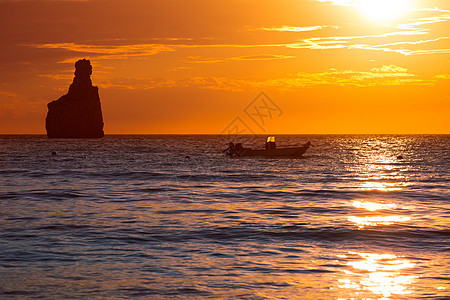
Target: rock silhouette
pixel 78 114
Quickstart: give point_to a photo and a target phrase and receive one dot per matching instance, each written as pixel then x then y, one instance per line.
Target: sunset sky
pixel 172 66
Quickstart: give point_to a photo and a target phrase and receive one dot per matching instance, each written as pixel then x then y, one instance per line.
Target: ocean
pixel 171 217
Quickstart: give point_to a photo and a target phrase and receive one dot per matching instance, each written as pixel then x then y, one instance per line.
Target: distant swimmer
pixel 187 156
pixel 54 153
pixel 399 157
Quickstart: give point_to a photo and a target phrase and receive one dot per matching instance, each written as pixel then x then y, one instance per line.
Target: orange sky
pixel 176 66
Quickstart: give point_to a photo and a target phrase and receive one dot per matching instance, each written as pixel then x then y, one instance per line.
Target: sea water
pixel 171 217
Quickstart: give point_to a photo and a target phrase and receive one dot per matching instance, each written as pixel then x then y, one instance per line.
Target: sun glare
pixel 383 10
pixel 373 206
pixel 383 274
pixel 361 222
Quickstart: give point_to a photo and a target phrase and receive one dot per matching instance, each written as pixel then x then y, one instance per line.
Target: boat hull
pixel 281 152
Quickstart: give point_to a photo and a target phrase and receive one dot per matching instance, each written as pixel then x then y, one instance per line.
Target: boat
pixel 270 150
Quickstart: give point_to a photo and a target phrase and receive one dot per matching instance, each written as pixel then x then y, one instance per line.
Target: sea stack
pixel 78 114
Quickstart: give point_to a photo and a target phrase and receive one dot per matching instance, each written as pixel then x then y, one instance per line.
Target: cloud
pixel 356 3
pixel 339 2
pixel 258 57
pixel 391 69
pixel 345 42
pixel 296 29
pixel 386 75
pixel 423 21
pixel 443 76
pixel 383 76
pixel 135 83
pixel 213 83
pixel 412 27
pixel 109 51
pixel 263 57
pixel 409 32
pixel 145 50
pixel 390 47
pixel 64 76
pixel 313 43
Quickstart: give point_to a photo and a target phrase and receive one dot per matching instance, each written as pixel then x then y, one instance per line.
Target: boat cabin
pixel 270 143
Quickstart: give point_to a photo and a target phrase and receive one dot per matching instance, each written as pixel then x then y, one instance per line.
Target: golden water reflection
pixel 380 274
pixel 382 186
pixel 361 222
pixel 377 168
pixel 379 219
pixel 373 206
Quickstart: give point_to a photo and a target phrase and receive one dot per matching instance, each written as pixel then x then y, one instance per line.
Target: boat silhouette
pixel 271 150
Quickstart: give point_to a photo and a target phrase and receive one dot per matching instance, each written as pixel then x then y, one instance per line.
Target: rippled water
pixel 131 217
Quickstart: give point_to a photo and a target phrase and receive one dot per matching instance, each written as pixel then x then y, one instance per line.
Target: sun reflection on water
pixel 373 206
pixel 377 167
pixel 381 186
pixel 380 274
pixel 377 220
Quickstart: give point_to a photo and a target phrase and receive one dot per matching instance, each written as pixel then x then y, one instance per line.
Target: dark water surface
pixel 131 217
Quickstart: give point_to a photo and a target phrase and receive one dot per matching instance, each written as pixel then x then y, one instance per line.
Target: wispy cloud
pixel 391 47
pixel 374 42
pixel 258 57
pixel 343 43
pixel 443 76
pixel 339 2
pixel 408 31
pixel 110 51
pixel 386 71
pixel 296 29
pixel 383 76
pixel 423 21
pixel 386 75
pixel 135 83
pixel 333 42
pixel 145 50
pixel 355 3
pixel 263 57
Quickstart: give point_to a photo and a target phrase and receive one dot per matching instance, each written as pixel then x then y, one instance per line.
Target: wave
pixel 402 236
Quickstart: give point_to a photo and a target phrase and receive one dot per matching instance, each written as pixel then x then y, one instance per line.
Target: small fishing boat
pixel 270 150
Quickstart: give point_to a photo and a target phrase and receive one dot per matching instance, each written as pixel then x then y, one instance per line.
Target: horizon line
pixel 259 134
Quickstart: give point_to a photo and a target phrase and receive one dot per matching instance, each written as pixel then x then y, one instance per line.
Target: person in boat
pixel 230 149
pixel 233 149
pixel 270 143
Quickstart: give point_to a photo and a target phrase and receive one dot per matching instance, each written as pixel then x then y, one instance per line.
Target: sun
pixel 383 10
